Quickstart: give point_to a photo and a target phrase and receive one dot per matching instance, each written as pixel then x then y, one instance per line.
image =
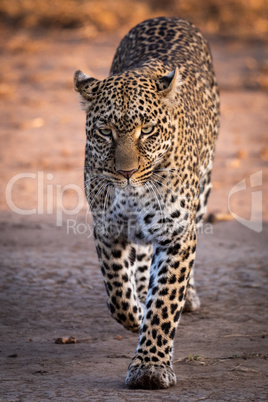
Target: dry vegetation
pixel 236 18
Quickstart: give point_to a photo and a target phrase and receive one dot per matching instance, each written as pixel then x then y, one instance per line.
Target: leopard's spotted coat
pixel 151 130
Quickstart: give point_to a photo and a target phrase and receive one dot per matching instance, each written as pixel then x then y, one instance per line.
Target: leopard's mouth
pixel 129 184
pixel 132 182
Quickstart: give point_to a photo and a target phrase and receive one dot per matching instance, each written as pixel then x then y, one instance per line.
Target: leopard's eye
pixel 147 130
pixel 107 132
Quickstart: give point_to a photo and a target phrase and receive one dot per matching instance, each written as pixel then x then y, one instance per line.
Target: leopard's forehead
pixel 130 82
pixel 126 101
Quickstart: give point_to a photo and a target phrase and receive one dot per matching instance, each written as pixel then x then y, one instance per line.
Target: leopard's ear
pixel 87 87
pixel 169 87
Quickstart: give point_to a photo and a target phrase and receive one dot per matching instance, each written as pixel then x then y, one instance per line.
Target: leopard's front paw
pixel 150 376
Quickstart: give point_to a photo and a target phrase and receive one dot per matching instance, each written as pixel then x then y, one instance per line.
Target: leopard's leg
pixel 204 191
pixel 151 367
pixel 118 265
pixel 192 302
pixel 143 263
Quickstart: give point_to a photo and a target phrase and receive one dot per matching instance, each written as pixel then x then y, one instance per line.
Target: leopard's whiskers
pixel 160 196
pixel 177 195
pixel 151 187
pixel 90 181
pixel 92 191
pixel 106 197
pixel 99 184
pixel 102 188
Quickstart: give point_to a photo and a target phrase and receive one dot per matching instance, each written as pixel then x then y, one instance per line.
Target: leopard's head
pixel 130 125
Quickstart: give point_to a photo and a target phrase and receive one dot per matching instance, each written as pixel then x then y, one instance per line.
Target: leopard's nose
pixel 127 173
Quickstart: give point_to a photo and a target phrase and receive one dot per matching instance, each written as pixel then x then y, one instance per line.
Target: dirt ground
pixel 51 285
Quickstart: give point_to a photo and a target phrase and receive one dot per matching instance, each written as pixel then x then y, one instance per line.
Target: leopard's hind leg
pixel 192 302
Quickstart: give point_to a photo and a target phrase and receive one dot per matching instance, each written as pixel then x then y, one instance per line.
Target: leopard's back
pixel 165 42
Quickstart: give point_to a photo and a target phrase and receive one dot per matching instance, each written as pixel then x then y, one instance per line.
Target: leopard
pixel 151 130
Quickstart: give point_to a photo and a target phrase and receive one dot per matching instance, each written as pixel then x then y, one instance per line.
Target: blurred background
pixel 237 18
pixel 42 128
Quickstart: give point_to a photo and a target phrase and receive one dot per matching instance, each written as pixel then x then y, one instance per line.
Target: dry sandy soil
pixel 51 285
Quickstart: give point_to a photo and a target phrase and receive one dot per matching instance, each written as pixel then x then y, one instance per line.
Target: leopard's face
pixel 129 125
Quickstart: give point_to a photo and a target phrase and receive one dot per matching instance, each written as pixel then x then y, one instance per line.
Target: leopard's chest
pixel 145 215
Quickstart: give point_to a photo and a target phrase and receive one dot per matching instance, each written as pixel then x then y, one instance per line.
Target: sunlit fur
pixel 151 129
